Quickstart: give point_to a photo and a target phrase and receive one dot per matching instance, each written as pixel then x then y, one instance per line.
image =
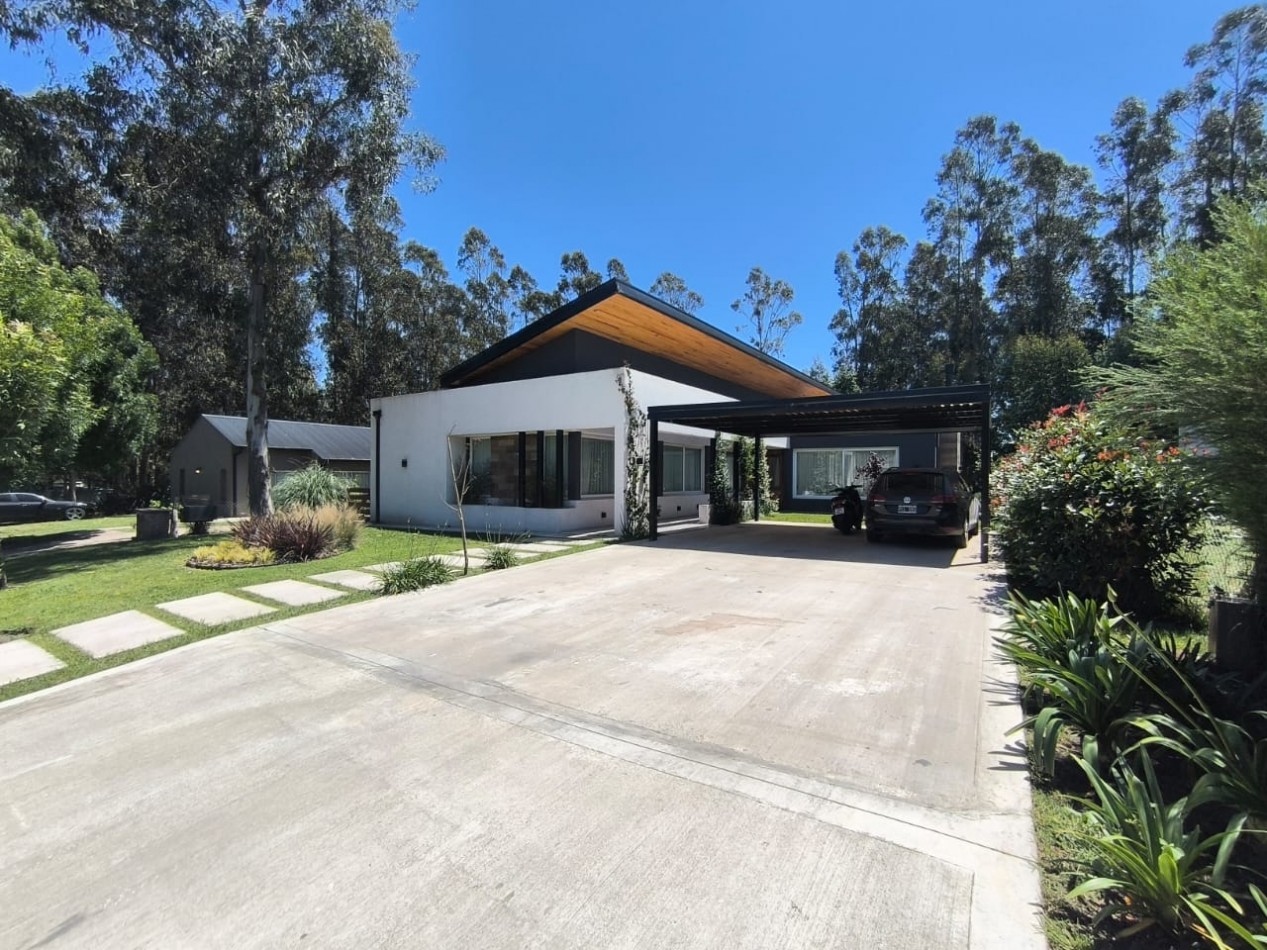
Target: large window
pixel 598 467
pixel 494 475
pixel 683 469
pixel 818 472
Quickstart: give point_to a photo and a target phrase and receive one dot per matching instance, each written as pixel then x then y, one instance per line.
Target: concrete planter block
pixel 1236 634
pixel 154 524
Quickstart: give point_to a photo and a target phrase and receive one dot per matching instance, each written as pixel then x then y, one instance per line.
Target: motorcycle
pixel 846 509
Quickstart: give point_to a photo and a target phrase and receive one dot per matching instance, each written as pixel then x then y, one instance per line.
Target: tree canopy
pixel 1203 359
pixel 74 368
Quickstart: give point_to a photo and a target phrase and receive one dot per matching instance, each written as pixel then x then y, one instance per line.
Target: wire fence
pixel 1225 563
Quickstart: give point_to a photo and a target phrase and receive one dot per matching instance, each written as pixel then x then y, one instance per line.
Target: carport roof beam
pixel 948 409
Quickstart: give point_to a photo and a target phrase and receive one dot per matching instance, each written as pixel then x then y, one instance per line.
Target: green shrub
pixel 1082 506
pixel 231 553
pixel 345 524
pixel 721 499
pixel 415 574
pixel 498 557
pixel 1162 872
pixel 311 487
pixel 298 534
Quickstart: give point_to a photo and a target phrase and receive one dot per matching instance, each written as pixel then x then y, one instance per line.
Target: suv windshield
pixel 910 483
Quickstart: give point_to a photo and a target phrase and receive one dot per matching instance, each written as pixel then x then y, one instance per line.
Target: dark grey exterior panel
pixel 578 351
pixel 918 449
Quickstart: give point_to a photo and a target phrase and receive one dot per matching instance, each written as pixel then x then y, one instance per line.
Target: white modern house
pixel 541 421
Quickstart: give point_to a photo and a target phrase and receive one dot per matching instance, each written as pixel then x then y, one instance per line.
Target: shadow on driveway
pixel 817 542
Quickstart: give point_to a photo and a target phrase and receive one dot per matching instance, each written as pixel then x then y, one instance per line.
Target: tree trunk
pixel 258 489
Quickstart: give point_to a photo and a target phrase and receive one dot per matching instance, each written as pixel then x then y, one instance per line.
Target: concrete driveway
pixel 760 736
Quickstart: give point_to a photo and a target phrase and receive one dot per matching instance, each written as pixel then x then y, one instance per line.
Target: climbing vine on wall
pixel 637 495
pixel 769 504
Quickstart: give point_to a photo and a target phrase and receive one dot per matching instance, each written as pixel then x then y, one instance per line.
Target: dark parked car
pixel 23 506
pixel 926 501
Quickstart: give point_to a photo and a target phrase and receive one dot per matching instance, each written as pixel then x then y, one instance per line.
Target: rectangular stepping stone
pixel 215 609
pixel 477 555
pixel 117 632
pixel 535 549
pixel 294 593
pixel 455 561
pixel 20 660
pixel 356 580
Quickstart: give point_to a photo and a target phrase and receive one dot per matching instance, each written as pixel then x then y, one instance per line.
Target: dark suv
pixel 927 501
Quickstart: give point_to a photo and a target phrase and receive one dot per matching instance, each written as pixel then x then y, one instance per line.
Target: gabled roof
pixel 344 443
pixel 628 316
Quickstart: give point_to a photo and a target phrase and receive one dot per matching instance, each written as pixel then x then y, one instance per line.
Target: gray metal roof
pixel 344 443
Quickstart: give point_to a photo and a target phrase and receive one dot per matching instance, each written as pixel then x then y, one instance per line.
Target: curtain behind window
pixel 819 471
pixel 693 470
pixel 598 467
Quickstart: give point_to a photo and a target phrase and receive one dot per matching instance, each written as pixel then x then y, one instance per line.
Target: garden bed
pixel 1160 806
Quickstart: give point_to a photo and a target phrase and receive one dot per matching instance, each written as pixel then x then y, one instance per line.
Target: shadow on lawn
pixel 42 565
pixel 16 544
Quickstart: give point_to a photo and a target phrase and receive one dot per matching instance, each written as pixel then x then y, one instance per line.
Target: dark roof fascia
pixel 604 291
pixel 822 414
pixel 899 399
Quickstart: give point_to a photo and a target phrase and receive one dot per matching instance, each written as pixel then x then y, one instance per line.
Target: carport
pixel 944 409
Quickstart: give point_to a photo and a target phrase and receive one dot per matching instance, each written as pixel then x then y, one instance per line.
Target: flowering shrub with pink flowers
pixel 1082 505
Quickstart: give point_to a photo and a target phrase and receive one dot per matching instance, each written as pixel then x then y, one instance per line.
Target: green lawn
pixel 52 589
pixel 797 517
pixel 15 534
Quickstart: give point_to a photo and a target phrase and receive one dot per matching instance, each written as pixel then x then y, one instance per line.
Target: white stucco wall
pixel 415 427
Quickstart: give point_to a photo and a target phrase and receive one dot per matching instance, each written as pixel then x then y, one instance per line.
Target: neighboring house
pixel 209 463
pixel 539 423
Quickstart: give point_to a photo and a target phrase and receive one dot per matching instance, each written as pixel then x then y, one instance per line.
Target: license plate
pixel 907 509
pixel 838 511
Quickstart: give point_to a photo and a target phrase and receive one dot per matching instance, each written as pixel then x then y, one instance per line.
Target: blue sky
pixel 706 138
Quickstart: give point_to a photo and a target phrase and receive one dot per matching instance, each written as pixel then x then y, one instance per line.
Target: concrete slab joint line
pixel 996 849
pixel 691 744
pixel 21 660
pixel 116 633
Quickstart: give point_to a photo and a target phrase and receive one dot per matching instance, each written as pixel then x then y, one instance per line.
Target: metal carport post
pixel 653 509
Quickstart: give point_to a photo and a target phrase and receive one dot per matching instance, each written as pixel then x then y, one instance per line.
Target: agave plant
pixel 1069 654
pixel 1232 760
pixel 1158 871
pixel 1095 693
pixel 1050 629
